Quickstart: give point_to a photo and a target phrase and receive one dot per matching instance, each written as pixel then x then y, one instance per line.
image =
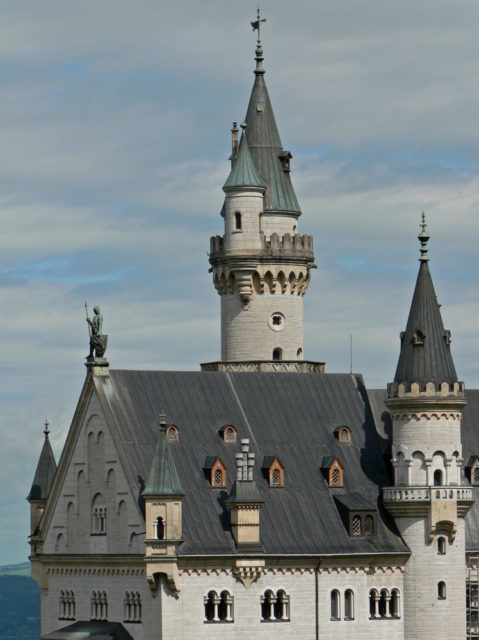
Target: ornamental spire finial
pixel 46 431
pixel 423 238
pixel 256 24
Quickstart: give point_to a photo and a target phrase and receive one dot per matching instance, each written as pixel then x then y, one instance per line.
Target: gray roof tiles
pixel 431 361
pixel 289 415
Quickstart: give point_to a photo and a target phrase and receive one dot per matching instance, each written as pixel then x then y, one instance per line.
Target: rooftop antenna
pixel 351 353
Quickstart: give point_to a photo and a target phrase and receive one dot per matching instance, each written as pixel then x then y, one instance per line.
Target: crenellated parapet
pixel 286 247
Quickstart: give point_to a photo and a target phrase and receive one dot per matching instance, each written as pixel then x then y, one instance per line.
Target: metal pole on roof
pixel 351 353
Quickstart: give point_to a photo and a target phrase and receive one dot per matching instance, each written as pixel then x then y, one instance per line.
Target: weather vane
pixel 257 25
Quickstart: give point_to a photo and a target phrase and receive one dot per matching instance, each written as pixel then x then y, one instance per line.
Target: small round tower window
pixel 277 321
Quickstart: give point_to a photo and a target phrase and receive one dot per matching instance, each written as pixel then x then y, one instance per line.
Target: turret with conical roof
pixel 261 266
pixel 42 482
pixel 163 496
pixel 427 499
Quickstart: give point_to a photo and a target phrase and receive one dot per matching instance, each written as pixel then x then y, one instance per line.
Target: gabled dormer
pixel 332 470
pixel 273 470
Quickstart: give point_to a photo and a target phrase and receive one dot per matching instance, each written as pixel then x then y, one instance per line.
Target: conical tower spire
pixel 243 173
pixel 45 471
pixel 271 160
pixel 425 346
pixel 163 478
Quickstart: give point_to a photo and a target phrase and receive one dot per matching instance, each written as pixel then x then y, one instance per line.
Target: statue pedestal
pixel 97 366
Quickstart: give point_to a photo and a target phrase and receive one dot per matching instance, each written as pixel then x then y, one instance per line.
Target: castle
pixel 261 495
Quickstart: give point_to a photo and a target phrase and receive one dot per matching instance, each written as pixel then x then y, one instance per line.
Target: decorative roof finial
pixel 256 24
pixel 46 431
pixel 423 238
pixel 162 420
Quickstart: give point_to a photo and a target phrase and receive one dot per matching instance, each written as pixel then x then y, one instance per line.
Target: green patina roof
pixel 163 477
pixel 265 148
pixel 44 474
pixel 243 173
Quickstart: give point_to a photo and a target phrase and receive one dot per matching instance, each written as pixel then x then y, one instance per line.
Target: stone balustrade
pixel 426 494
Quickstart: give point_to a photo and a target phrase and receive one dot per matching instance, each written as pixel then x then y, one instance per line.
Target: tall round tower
pixel 261 265
pixel 428 500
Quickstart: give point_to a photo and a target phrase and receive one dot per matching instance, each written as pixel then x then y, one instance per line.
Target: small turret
pixel 41 485
pixel 163 495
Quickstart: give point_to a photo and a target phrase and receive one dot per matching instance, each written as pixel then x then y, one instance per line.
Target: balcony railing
pixel 426 494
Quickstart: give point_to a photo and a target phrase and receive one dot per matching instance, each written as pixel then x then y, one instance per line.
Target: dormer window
pixel 274 471
pixel 472 470
pixel 216 471
pixel 418 338
pixel 172 433
pixel 447 336
pixel 285 157
pixel 228 433
pixel 333 471
pixel 359 514
pixel 343 434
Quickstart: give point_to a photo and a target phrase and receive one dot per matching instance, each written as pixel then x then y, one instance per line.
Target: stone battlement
pixel 286 246
pixel 426 390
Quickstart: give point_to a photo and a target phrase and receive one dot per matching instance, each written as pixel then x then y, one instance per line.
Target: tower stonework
pixel 427 500
pixel 261 265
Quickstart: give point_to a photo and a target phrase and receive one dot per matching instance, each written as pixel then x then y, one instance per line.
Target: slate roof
pixel 44 473
pixel 289 415
pixel 265 148
pixel 243 173
pixel 163 477
pixel 90 630
pixel 470 447
pixel 432 360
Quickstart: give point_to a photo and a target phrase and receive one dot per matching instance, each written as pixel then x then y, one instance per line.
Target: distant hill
pixel 19 603
pixel 22 569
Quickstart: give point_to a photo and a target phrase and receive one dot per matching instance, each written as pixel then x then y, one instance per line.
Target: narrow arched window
pixel 335 605
pixel 374 604
pixel 268 601
pixel 281 607
pixel 160 528
pixel 441 546
pixel 211 602
pixel 475 474
pixel 395 604
pixel 438 478
pixel 441 590
pixel 348 605
pixel 218 477
pixel 335 477
pixel 237 221
pixel 276 478
pixel 277 354
pixel 225 607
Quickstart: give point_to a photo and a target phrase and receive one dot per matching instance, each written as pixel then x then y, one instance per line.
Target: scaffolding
pixel 472 597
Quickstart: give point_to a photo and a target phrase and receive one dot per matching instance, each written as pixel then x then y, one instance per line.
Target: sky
pixel 115 134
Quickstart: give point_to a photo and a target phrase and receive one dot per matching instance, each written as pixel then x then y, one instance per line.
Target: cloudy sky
pixel 115 133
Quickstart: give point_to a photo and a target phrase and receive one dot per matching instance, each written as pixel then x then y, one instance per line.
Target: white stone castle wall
pixel 425 615
pixel 362 627
pixel 246 334
pixel 279 225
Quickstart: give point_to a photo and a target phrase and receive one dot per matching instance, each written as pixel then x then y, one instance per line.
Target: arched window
pixel 218 480
pixel 441 546
pixel 237 216
pixel 356 526
pixel 268 600
pixel 98 516
pixel 160 528
pixel 384 604
pixel 66 604
pixel 438 478
pixel 441 590
pixel 335 477
pixel 277 354
pixel 173 433
pixel 348 605
pixel 335 605
pixel 218 608
pixel 132 606
pixel 299 354
pixel 281 608
pixel 276 478
pixel 475 474
pixel 395 604
pixel 99 605
pixel 374 604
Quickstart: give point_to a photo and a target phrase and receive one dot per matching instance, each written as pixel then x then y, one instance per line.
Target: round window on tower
pixel 277 321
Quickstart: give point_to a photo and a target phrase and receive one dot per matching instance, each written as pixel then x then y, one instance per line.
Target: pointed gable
pixel 163 478
pixel 45 472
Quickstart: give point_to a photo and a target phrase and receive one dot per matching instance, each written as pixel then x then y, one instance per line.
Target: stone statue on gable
pixel 98 340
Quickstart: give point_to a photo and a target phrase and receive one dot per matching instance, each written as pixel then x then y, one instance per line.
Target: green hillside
pixel 19 604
